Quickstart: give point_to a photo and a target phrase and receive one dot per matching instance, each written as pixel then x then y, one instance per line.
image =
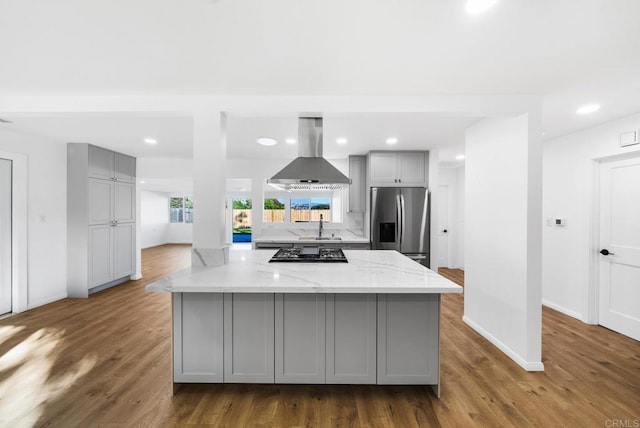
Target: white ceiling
pixel 363 131
pixel 568 52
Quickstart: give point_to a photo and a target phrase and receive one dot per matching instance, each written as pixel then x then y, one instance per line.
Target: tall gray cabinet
pixel 101 218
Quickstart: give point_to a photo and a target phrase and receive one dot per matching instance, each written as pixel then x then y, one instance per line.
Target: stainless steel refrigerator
pixel 400 221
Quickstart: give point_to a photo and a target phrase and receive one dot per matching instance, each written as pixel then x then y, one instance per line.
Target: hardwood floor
pixel 105 361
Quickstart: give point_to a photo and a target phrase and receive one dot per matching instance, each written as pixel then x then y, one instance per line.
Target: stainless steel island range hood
pixel 309 171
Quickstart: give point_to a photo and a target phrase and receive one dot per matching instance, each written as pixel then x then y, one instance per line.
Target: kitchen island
pixel 373 320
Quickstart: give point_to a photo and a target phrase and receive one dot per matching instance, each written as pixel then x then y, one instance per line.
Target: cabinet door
pixel 411 169
pixel 383 168
pixel 351 338
pixel 357 168
pixel 100 201
pixel 408 339
pixel 101 163
pixel 124 202
pixel 99 255
pixel 299 338
pixel 248 337
pixel 124 168
pixel 197 337
pixel 123 245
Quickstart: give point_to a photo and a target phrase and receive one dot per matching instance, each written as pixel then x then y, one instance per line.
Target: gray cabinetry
pixel 124 202
pixel 357 189
pixel 310 338
pixel 300 338
pixel 101 218
pixel 408 338
pixel 100 201
pixel 398 169
pixel 197 337
pixel 248 338
pixel 123 236
pixel 99 254
pixel 351 338
pixel 108 165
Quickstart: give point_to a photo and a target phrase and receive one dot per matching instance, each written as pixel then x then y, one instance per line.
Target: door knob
pixel 606 252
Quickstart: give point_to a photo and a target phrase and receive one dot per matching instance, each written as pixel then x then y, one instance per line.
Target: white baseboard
pixel 565 311
pixel 46 301
pixel 530 366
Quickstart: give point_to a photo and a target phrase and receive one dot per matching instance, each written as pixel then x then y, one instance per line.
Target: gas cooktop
pixel 309 254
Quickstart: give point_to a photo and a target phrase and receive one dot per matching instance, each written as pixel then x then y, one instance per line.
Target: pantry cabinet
pixel 101 218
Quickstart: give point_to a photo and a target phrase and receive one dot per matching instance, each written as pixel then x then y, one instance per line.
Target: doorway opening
pixel 242 220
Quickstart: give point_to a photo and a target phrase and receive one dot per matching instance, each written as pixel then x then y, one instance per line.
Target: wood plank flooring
pixel 105 361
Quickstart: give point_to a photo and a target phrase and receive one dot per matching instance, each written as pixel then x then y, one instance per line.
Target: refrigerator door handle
pixel 402 222
pixel 399 222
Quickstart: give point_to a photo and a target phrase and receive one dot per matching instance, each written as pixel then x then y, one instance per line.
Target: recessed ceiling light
pixel 392 140
pixel 266 141
pixel 290 140
pixel 151 141
pixel 588 109
pixel 341 141
pixel 479 6
pixel 459 157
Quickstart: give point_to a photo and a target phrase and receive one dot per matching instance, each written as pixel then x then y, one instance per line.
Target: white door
pixel 5 236
pixel 443 226
pixel 619 287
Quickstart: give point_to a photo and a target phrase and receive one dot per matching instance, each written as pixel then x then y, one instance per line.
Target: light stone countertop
pixel 348 236
pixel 249 271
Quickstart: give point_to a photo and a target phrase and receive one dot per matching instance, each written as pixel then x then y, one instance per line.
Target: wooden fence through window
pixel 243 218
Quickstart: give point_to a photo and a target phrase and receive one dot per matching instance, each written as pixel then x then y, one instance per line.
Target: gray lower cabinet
pixel 124 235
pixel 99 255
pixel 310 338
pixel 300 338
pixel 197 337
pixel 248 337
pixel 408 339
pixel 351 338
pixel 111 252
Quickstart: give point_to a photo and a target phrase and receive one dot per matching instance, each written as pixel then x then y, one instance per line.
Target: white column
pixel 503 235
pixel 434 185
pixel 209 187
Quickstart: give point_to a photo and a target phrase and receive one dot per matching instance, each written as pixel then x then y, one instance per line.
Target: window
pixel 301 207
pixel 181 210
pixel 274 211
pixel 310 209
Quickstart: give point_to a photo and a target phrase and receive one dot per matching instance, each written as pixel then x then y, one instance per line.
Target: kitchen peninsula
pixel 373 320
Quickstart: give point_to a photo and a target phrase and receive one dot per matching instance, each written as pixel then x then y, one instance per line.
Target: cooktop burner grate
pixel 309 254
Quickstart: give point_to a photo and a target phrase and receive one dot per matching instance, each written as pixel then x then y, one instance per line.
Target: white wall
pixel 154 219
pixel 568 189
pixel 503 237
pixel 46 214
pixel 181 233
